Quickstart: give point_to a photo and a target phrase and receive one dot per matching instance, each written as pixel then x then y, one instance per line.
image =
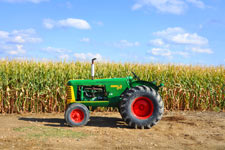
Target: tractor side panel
pixel 83 90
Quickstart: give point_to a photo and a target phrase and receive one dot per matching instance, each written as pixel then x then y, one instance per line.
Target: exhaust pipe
pixel 93 68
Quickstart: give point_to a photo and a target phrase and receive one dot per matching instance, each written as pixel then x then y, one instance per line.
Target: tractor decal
pixel 118 87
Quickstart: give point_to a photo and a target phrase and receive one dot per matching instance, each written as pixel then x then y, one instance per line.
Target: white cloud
pixel 4 34
pixel 202 50
pixel 85 39
pixel 197 3
pixel 13 42
pixel 169 31
pixel 24 32
pixel 177 41
pixel 49 23
pixel 61 53
pixel 23 1
pixel 69 22
pixel 87 56
pixel 19 36
pixel 125 44
pixel 161 52
pixel 164 52
pixel 18 50
pixel 157 42
pixel 34 40
pixel 188 38
pixel 24 36
pixel 76 23
pixel 168 6
pixel 180 36
pixel 137 6
pixel 18 39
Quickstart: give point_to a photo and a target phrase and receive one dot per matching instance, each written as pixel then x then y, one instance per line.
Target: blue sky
pixel 140 31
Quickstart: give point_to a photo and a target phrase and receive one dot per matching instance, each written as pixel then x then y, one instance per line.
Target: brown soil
pixel 177 130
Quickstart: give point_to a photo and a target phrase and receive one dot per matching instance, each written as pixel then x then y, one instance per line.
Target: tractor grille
pixel 69 92
pixel 70 95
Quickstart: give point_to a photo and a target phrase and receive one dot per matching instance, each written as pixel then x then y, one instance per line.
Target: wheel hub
pixel 77 115
pixel 142 107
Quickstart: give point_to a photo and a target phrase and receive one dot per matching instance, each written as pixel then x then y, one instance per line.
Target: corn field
pixel 29 86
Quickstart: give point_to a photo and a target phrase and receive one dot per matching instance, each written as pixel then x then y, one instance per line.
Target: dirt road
pixel 177 130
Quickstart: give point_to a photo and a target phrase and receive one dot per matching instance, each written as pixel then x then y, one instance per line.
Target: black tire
pixel 141 107
pixel 122 96
pixel 77 115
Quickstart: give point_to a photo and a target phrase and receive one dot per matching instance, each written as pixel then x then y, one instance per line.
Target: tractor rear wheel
pixel 77 115
pixel 141 107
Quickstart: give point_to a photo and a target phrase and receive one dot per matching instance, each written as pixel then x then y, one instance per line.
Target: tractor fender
pixel 149 84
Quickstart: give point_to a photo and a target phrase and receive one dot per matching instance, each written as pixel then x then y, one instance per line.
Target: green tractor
pixel 138 101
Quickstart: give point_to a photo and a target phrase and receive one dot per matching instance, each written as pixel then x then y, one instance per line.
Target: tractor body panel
pixel 98 92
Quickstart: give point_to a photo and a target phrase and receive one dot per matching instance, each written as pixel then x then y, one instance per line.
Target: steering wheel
pixel 135 76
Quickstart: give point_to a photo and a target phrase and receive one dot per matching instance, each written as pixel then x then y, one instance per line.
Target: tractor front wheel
pixel 77 115
pixel 141 107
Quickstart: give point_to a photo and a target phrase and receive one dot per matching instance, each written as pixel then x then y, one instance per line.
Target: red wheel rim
pixel 77 115
pixel 142 107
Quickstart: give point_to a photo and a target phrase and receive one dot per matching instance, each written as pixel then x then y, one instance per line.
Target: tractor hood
pixel 100 81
